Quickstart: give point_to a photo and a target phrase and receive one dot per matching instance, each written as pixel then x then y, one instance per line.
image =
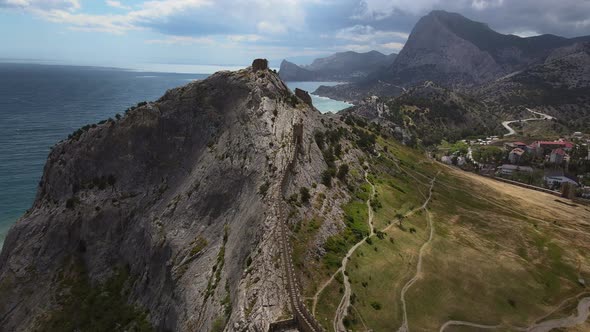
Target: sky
pixel 184 33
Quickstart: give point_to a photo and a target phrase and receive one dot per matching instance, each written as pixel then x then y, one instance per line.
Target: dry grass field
pixel 500 254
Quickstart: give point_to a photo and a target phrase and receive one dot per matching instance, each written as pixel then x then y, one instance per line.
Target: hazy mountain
pixel 343 66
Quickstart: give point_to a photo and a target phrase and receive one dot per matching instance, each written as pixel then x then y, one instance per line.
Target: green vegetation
pixel 264 188
pixel 87 307
pixel 356 228
pixel 198 244
pixel 305 196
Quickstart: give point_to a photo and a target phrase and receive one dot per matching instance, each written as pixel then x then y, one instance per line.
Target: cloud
pixel 379 9
pixel 69 5
pixel 271 27
pixel 367 33
pixel 182 40
pixel 117 4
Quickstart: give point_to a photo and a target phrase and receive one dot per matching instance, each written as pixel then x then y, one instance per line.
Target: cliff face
pixel 176 193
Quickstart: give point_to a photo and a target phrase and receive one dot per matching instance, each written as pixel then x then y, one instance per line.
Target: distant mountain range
pixel 343 66
pixel 454 51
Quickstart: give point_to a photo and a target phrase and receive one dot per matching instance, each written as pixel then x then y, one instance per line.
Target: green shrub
pixel 263 188
pixel 305 196
pixel 376 305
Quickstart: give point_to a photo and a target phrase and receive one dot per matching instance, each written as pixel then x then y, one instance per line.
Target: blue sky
pixel 187 32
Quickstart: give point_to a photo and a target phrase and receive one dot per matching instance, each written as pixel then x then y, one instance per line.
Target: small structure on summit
pixel 259 64
pixel 303 95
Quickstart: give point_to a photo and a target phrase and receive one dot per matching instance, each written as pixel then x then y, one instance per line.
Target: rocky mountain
pixel 292 72
pixel 343 66
pixel 452 50
pixel 559 86
pixel 178 215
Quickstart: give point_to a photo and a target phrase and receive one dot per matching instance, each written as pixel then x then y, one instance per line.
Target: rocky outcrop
pixel 303 95
pixel 177 193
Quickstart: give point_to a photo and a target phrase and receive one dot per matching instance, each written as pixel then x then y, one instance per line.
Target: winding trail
pixel 405 327
pixel 511 131
pixel 342 309
pixel 580 316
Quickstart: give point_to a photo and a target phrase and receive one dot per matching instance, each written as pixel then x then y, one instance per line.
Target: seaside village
pixel 555 165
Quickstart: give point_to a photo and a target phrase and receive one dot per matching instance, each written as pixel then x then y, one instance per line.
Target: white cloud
pixel 379 9
pixel 271 27
pixel 485 4
pixel 243 38
pixel 117 4
pixel 366 33
pixel 69 5
pixel 525 33
pixel 396 47
pixel 182 40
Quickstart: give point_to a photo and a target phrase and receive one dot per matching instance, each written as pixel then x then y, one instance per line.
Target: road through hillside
pixel 511 131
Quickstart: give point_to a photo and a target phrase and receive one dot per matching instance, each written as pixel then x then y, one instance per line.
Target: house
pixel 577 134
pixel 512 145
pixel 557 156
pixel 543 148
pixel 507 169
pixel 558 181
pixel 515 155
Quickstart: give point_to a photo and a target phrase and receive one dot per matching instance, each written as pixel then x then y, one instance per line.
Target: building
pixel 557 156
pixel 446 160
pixel 507 169
pixel 558 181
pixel 513 145
pixel 543 148
pixel 515 155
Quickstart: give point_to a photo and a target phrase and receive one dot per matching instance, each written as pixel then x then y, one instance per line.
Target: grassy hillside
pixel 499 254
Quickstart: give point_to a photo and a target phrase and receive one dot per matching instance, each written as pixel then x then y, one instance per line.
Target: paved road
pixel 511 131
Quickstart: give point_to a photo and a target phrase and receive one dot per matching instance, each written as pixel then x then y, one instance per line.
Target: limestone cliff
pixel 169 210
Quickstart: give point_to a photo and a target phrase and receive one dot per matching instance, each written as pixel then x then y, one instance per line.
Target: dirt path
pixel 580 316
pixel 342 309
pixel 408 285
pixel 583 311
pixel 461 323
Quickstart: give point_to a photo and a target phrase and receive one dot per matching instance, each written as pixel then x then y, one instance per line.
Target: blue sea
pixel 41 104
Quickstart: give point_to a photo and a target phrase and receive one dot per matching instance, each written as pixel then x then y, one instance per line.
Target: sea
pixel 41 104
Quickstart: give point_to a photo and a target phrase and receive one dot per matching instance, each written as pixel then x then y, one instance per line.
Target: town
pixel 559 165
